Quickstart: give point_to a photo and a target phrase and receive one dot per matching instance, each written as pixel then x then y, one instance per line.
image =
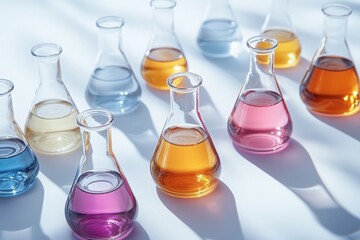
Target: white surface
pixel 308 191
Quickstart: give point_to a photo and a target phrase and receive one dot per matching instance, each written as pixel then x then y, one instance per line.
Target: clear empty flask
pixel 185 162
pixel 331 84
pixel 112 84
pixel 278 25
pixel 219 34
pixel 50 126
pixel 260 120
pixel 100 204
pixel 164 55
pixel 18 163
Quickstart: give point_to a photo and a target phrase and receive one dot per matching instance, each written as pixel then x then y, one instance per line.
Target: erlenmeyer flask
pixel 164 55
pixel 331 84
pixel 100 204
pixel 185 162
pixel 260 120
pixel 219 34
pixel 278 25
pixel 18 163
pixel 50 126
pixel 112 84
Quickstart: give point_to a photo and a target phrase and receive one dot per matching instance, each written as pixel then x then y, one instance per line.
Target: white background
pixel 310 190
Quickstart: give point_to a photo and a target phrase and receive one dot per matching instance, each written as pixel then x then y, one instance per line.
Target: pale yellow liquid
pixel 51 127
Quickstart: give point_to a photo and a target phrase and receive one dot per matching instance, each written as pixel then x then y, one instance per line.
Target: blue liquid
pixel 219 38
pixel 113 88
pixel 18 167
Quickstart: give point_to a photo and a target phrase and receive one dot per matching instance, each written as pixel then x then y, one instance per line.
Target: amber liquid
pixel 159 64
pixel 331 86
pixel 185 162
pixel 287 53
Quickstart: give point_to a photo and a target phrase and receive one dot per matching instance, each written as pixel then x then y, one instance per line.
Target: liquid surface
pixel 113 88
pixel 101 206
pixel 185 162
pixel 288 51
pixel 51 127
pixel 159 64
pixel 260 121
pixel 18 167
pixel 219 38
pixel 331 86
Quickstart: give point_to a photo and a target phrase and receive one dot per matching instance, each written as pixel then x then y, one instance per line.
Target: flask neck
pixel 335 28
pixel 278 17
pixel 163 21
pixel 110 40
pixel 49 69
pixel 279 7
pixel 262 63
pixel 6 109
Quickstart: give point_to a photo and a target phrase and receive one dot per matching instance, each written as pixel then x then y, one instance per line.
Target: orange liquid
pixel 331 86
pixel 287 53
pixel 185 162
pixel 160 63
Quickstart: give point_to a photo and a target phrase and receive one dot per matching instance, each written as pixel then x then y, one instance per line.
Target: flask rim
pixel 45 50
pixel 162 4
pixel 110 22
pixel 253 41
pixel 8 86
pixel 336 10
pixel 176 82
pixel 107 116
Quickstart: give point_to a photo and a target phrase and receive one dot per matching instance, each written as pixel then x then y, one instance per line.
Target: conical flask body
pixel 185 162
pixel 18 163
pixel 100 204
pixel 164 55
pixel 50 126
pixel 260 120
pixel 331 84
pixel 112 84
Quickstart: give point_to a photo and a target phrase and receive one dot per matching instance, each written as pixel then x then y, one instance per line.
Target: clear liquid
pixel 113 88
pixel 51 127
pixel 101 206
pixel 331 86
pixel 260 121
pixel 219 38
pixel 185 162
pixel 18 167
pixel 159 64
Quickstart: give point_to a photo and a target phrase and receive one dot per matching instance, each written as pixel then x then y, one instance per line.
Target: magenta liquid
pixel 101 206
pixel 260 121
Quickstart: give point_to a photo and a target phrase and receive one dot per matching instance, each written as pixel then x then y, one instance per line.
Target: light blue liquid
pixel 113 88
pixel 18 167
pixel 219 38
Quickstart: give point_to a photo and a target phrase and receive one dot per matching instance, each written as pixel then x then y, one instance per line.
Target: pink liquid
pixel 260 121
pixel 101 206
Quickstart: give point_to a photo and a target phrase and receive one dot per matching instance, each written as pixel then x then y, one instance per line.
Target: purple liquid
pixel 260 121
pixel 101 206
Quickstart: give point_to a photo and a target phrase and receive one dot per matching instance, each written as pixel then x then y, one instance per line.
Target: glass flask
pixel 112 84
pixel 260 120
pixel 164 55
pixel 18 163
pixel 219 34
pixel 185 162
pixel 100 204
pixel 278 25
pixel 331 83
pixel 50 126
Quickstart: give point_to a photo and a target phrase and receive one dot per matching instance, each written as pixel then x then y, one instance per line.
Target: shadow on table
pixel 139 128
pixel 294 168
pixel 22 213
pixel 296 73
pixel 213 216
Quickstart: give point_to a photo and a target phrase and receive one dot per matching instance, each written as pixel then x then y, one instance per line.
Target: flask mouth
pixel 95 119
pixel 110 22
pixel 336 10
pixel 46 50
pixel 184 82
pixel 261 44
pixel 163 4
pixel 6 87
